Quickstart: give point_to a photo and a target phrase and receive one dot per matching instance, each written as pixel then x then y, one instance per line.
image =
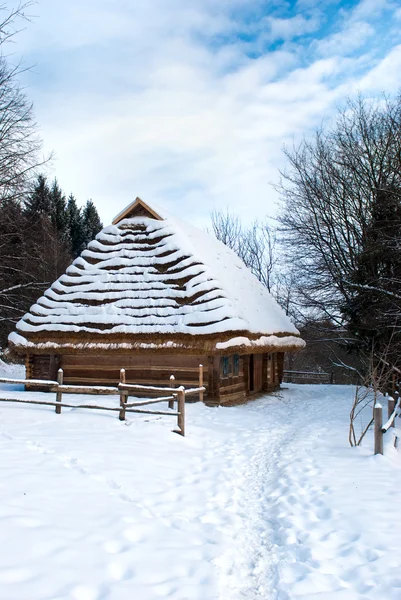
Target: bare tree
pixel 228 229
pixel 255 245
pixel 20 157
pixel 375 380
pixel 332 188
pixel 259 252
pixel 20 146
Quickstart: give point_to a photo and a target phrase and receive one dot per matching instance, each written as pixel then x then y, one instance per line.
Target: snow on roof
pixel 145 275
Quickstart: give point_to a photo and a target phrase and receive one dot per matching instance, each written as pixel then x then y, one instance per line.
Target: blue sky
pixel 189 103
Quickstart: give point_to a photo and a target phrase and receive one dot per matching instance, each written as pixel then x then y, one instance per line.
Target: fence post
pixel 378 418
pixel 59 395
pixel 172 381
pixel 181 410
pixel 390 409
pixel 123 396
pixel 201 382
pixel 396 397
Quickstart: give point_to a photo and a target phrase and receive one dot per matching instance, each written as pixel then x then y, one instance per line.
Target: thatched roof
pixel 151 281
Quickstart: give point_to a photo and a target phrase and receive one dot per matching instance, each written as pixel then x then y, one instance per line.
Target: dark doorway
pixel 251 373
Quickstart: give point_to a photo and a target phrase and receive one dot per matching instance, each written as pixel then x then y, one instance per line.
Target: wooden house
pixel 156 296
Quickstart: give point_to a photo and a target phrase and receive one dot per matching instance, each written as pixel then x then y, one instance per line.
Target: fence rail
pixel 124 390
pixel 307 377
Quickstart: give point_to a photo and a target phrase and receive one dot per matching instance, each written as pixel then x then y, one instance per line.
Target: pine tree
pixel 375 308
pixel 75 226
pixel 39 200
pixel 91 222
pixel 58 208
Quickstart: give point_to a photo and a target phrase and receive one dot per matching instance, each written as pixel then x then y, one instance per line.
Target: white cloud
pixel 217 139
pixel 161 100
pixel 353 36
pixel 385 75
pixel 367 9
pixel 287 29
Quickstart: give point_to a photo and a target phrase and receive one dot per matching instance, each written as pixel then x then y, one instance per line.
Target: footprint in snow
pixel 114 547
pixel 119 571
pixel 324 513
pixel 114 485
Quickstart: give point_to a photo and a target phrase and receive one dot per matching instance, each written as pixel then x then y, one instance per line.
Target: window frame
pixel 225 367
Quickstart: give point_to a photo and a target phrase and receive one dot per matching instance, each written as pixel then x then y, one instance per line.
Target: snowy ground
pixel 264 501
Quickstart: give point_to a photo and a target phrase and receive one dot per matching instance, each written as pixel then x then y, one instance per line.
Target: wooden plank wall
pixel 157 368
pixel 232 388
pixel 280 363
pixel 213 381
pixel 268 371
pixel 266 375
pixel 272 370
pixel 40 366
pixel 257 373
pixel 29 366
pixel 154 369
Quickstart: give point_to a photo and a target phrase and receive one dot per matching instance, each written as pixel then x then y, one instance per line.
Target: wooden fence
pixel 124 390
pixel 393 410
pixel 307 377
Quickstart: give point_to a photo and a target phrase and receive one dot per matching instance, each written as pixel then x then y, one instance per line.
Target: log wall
pixel 256 373
pixel 272 370
pixel 40 366
pixel 213 381
pixel 151 369
pixel 232 388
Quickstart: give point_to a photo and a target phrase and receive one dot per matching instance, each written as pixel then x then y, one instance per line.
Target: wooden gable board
pixel 138 208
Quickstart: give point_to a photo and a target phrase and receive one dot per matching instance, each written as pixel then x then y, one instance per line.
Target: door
pixel 251 377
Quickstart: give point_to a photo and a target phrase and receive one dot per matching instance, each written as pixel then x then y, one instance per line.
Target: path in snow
pixel 313 525
pixel 263 501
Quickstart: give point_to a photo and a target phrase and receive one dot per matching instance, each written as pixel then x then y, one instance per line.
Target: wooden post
pixel 60 376
pixel 275 368
pixel 181 410
pixel 28 366
pixel 378 419
pixel 269 371
pixel 201 382
pixel 390 408
pixel 172 382
pixel 123 396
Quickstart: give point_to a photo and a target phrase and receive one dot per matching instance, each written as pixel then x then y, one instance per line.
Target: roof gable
pixel 138 208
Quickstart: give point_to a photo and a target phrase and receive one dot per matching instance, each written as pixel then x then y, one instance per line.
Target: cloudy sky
pixel 188 103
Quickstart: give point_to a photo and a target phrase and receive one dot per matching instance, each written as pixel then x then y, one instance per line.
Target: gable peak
pixel 138 208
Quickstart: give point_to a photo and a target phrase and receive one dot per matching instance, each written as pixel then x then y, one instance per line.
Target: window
pixel 225 366
pixel 236 365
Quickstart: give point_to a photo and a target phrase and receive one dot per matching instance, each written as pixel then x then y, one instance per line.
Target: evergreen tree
pixel 375 306
pixel 39 200
pixel 58 207
pixel 38 240
pixel 91 222
pixel 75 226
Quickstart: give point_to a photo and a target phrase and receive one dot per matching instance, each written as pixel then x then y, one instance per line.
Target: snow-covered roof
pixel 155 275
